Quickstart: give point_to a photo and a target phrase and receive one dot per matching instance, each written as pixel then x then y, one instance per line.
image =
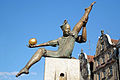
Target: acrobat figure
pixel 65 43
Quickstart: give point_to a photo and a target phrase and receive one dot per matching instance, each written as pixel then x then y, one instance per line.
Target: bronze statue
pixel 65 43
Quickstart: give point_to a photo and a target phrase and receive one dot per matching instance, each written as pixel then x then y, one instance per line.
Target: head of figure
pixel 65 28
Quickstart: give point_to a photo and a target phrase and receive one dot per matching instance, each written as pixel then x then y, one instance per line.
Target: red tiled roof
pixel 90 58
pixel 114 41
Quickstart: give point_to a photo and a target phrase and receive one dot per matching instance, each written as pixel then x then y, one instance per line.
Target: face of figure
pixel 66 29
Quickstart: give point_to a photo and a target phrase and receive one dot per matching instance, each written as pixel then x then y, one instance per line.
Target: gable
pixel 103 43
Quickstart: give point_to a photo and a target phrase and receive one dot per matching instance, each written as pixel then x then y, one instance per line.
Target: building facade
pixel 118 50
pixel 106 60
pixel 86 66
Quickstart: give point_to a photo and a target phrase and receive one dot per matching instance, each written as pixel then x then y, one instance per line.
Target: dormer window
pixel 111 72
pixel 102 46
pixel 103 59
pixel 99 76
pixel 98 61
pixel 110 55
pixel 104 73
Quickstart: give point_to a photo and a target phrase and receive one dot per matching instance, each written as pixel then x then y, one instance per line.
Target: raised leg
pixel 35 58
pixel 82 22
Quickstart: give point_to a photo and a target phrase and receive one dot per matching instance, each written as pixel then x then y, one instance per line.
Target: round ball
pixel 33 41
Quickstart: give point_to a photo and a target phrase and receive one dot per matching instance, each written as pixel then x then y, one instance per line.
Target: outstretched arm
pixel 83 20
pixel 53 43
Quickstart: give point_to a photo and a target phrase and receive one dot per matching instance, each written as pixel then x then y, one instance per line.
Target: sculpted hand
pixel 31 46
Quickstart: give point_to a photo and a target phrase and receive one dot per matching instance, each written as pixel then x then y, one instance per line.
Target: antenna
pixel 108 32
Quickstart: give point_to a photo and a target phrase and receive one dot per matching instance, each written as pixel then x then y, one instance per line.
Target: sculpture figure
pixel 65 43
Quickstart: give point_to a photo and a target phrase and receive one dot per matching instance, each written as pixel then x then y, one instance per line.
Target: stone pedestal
pixel 62 69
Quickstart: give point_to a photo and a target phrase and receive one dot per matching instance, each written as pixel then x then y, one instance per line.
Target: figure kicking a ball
pixel 65 43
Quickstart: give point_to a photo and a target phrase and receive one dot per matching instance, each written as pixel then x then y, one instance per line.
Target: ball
pixel 33 41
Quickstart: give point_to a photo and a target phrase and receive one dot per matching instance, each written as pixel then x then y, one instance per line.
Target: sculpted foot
pixel 24 70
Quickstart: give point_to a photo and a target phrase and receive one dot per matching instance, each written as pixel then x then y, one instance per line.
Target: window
pixel 104 78
pixel 104 74
pixel 98 62
pixel 110 55
pixel 99 76
pixel 102 46
pixel 110 70
pixel 119 50
pixel 103 59
pixel 62 74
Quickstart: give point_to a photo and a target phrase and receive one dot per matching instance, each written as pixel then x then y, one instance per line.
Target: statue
pixel 65 43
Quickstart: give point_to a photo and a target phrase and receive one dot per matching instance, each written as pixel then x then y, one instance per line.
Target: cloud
pixel 33 73
pixel 14 73
pixel 11 75
pixel 8 73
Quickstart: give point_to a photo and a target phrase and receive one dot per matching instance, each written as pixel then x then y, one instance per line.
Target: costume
pixel 66 45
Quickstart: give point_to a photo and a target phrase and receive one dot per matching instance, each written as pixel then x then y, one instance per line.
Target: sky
pixel 21 20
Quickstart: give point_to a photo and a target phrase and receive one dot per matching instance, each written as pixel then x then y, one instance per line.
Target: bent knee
pixel 42 50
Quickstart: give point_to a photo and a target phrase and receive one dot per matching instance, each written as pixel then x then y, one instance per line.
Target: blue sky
pixel 21 20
